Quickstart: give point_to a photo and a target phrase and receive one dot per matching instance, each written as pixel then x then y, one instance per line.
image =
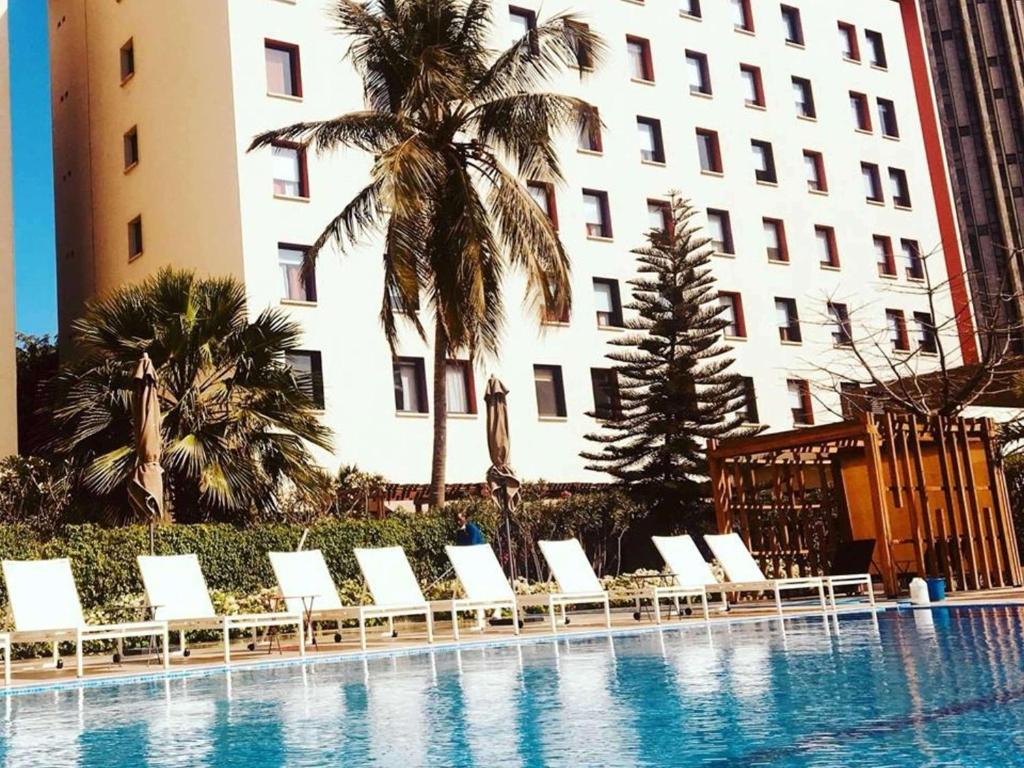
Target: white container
pixel 919 592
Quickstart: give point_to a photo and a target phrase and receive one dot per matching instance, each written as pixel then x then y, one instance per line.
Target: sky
pixel 35 279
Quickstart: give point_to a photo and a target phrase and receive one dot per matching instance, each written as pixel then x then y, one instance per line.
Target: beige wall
pixel 8 411
pixel 185 185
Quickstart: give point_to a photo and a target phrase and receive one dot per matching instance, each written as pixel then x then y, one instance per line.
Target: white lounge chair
pixel 483 581
pixel 176 590
pixel 577 582
pixel 745 575
pixel 44 601
pixel 393 588
pixel 689 570
pixel 308 589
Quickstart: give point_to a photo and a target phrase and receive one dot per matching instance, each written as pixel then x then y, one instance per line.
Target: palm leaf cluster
pixel 675 388
pixel 454 127
pixel 237 421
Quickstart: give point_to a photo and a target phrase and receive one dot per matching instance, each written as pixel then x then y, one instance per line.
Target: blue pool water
pixel 935 688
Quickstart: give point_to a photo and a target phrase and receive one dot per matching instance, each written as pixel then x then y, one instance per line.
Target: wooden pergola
pixel 932 495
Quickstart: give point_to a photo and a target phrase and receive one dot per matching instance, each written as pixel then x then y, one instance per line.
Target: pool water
pixel 939 688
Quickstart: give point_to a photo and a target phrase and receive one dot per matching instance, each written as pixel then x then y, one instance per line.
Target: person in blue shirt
pixel 468 533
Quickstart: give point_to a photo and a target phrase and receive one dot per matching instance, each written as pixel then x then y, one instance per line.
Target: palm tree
pixel 454 127
pixel 237 420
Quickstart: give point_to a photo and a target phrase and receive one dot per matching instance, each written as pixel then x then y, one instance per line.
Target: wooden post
pixel 912 500
pixel 719 490
pixel 873 455
pixel 967 501
pixel 1001 500
pixel 932 568
pixel 939 432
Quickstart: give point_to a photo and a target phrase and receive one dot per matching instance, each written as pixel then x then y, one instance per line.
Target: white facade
pixel 342 324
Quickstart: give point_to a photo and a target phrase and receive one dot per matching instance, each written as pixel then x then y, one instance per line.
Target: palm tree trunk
pixel 437 467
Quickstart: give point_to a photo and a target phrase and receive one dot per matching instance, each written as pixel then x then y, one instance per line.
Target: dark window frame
pixel 309 286
pixel 793 25
pixel 735 299
pixel 609 390
pixel 854 40
pixel 316 375
pixel 659 143
pixel 888 267
pixel 126 57
pixel 549 193
pixel 804 416
pixel 420 373
pixel 834 261
pixel 136 246
pixel 726 218
pixel 469 380
pixel 130 143
pixel 606 215
pixel 808 111
pixel 779 226
pixel 768 175
pixel 714 150
pixel 790 333
pixel 646 58
pixel 614 319
pixel 530 16
pixel 559 391
pixel 705 88
pixel 819 184
pixel 759 94
pixel 303 167
pixel 292 50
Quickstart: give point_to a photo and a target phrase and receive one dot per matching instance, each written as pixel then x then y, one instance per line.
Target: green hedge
pixel 233 559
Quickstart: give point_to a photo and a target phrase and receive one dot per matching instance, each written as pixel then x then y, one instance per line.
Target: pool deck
pixel 40 674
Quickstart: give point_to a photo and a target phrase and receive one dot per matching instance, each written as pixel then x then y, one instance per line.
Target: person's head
pixel 460 518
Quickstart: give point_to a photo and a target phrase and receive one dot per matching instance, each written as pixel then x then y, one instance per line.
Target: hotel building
pixel 8 387
pixel 804 132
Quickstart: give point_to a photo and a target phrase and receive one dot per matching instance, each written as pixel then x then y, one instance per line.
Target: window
pixel 742 15
pixel 753 85
pixel 814 164
pixel 794 28
pixel 800 402
pixel 131 148
pixel 410 385
pixel 828 251
pixel 308 369
pixel 641 67
pixel 897 325
pixel 395 300
pixel 876 49
pixel 887 118
pixel 900 188
pixel 659 216
pixel 848 42
pixel 720 231
pixel 750 415
pixel 596 213
pixel 842 332
pixel 294 286
pixel 584 52
pixel 803 97
pixel 547 383
pixel 609 306
pixel 127 60
pixel 135 237
pixel 552 312
pixel 652 149
pixel 283 72
pixel 700 75
pixel 290 178
pixel 913 264
pixel 851 400
pixel 872 183
pixel 524 22
pixel 543 195
pixel 861 115
pixel 788 320
pixel 775 239
pixel 926 339
pixel 764 162
pixel 709 151
pixel 732 314
pixel 607 403
pixel 460 392
pixel 884 256
pixel 589 137
pixel 690 8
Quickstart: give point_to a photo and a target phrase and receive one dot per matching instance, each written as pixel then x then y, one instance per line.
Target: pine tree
pixel 672 389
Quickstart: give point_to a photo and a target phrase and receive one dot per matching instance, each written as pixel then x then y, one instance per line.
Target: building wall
pixel 185 185
pixel 342 325
pixel 977 57
pixel 8 396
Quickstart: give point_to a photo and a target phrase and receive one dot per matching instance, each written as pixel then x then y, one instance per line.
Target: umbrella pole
pixel 508 541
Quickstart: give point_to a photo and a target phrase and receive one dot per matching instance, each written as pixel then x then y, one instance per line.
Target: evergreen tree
pixel 672 388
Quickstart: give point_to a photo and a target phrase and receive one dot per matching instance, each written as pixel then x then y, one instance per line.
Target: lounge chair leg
pixel 56 655
pixel 515 617
pixel 167 648
pixel 675 602
pixel 551 613
pixel 362 629
pixel 778 600
pixel 657 608
pixel 607 613
pixel 821 594
pixel 430 626
pixel 7 663
pixel 832 595
pixel 704 603
pixel 871 592
pixel 455 622
pixel 227 644
pixel 78 653
pixel 302 637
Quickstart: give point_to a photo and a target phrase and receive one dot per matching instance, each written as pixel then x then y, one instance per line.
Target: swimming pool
pixel 941 687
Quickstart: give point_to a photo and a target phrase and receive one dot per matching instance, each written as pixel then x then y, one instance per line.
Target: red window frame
pixel 809 111
pixel 705 73
pixel 821 183
pixel 902 341
pixel 791 332
pixel 296 66
pixel 916 271
pixel 646 59
pixel 780 232
pixel 898 177
pixel 531 24
pixel 888 268
pixel 665 209
pixel 841 318
pixel 593 128
pixel 805 416
pixel 758 85
pixel 470 381
pixel 792 14
pixel 736 300
pixel 833 247
pixel 549 193
pixel 303 166
pixel 851 32
pixel 714 150
pixel 863 111
pixel 748 17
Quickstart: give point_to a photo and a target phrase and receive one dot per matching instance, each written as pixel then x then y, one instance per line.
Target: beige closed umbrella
pixel 146 487
pixel 501 479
